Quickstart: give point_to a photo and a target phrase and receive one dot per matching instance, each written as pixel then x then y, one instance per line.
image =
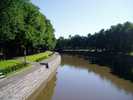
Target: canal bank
pixel 78 79
pixel 23 85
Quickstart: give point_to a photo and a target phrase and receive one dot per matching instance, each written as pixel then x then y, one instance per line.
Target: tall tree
pixel 23 26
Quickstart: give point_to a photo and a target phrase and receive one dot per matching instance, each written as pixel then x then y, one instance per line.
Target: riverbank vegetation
pixel 112 47
pixel 23 28
pixel 116 39
pixel 38 57
pixel 9 66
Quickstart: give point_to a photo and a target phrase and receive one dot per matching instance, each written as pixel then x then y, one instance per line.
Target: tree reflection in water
pixel 99 65
pixel 47 92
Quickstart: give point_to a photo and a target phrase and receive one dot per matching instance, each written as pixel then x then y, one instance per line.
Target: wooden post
pixel 24 56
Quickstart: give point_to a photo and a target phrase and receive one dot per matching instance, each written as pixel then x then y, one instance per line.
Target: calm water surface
pixel 77 79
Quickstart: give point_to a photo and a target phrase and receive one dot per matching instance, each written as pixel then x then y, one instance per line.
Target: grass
pixel 38 57
pixel 8 66
pixel 26 67
pixel 13 65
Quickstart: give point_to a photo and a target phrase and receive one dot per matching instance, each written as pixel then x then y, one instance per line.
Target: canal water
pixel 78 79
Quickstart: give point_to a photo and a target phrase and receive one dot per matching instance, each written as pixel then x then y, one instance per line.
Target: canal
pixel 78 79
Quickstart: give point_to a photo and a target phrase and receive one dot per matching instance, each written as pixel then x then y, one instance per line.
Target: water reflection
pixel 121 65
pixel 103 71
pixel 77 79
pixel 47 92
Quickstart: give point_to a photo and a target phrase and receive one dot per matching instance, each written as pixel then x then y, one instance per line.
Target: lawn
pixel 39 56
pixel 9 66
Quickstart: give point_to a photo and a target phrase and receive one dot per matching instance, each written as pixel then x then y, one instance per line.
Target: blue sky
pixel 70 17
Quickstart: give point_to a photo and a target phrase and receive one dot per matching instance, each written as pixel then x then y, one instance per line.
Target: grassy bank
pixel 38 57
pixel 13 65
pixel 8 66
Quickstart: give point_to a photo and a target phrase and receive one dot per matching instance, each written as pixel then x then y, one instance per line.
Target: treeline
pixel 117 39
pixel 24 27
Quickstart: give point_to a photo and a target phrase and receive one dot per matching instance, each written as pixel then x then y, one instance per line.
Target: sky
pixel 70 17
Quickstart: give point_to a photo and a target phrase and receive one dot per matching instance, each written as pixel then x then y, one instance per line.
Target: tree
pixel 24 27
pixel 117 39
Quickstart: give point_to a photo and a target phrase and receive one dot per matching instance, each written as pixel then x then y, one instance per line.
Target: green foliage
pixel 22 24
pixel 38 57
pixel 118 39
pixel 8 66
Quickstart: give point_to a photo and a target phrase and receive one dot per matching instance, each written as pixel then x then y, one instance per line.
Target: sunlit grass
pixel 8 66
pixel 13 65
pixel 38 57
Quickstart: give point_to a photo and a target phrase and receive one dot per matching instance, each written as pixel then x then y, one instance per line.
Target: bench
pixel 46 64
